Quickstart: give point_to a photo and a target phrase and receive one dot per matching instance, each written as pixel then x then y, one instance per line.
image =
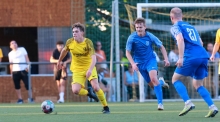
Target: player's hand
pixel 166 63
pixel 64 65
pixel 59 65
pixel 88 73
pixel 134 67
pixel 212 58
pixel 179 63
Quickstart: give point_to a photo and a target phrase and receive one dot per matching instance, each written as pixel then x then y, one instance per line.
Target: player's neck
pixel 80 40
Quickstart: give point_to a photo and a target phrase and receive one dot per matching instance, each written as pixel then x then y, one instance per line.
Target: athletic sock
pixel 83 92
pixel 100 94
pixel 159 94
pixel 204 93
pixel 181 90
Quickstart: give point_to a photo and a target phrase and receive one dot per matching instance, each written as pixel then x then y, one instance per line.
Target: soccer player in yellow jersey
pixel 1 55
pixel 83 65
pixel 216 46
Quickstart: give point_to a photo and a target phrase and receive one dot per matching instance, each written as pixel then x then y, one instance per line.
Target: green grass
pixel 120 112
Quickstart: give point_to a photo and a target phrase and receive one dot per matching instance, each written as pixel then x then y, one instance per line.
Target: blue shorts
pixel 146 67
pixel 196 68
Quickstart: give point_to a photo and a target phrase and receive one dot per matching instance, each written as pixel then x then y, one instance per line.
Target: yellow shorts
pixel 80 77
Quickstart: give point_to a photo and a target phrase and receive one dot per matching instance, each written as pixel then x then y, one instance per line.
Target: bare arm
pixel 52 60
pixel 181 48
pixel 62 55
pixel 92 65
pixel 0 59
pixel 10 66
pixel 128 55
pixel 164 52
pixel 133 64
pixel 215 49
pixel 28 61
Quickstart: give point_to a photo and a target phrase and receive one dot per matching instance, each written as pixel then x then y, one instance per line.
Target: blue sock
pixel 181 90
pixel 204 93
pixel 159 94
pixel 161 82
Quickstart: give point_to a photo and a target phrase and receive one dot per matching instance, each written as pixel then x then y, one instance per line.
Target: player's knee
pixel 96 88
pixel 75 91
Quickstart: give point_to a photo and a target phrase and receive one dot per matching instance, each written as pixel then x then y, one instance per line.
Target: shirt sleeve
pixel 66 47
pixel 129 43
pixel 217 38
pixel 91 47
pixel 24 51
pixel 155 40
pixel 175 30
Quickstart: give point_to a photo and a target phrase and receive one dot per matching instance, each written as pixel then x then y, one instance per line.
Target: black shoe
pixel 106 110
pixel 20 101
pixel 92 95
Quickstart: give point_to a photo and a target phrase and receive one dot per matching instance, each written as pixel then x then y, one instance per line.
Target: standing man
pixel 60 75
pixel 83 65
pixel 19 71
pixel 193 61
pixel 216 46
pixel 144 60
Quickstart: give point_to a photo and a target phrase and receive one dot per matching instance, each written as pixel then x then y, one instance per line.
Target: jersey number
pixel 192 34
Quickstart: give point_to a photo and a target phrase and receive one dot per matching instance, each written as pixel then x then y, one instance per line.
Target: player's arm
pixel 164 53
pixel 62 55
pixel 92 65
pixel 181 47
pixel 52 59
pixel 216 46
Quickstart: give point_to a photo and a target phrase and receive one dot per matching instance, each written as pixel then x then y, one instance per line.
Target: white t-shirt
pixel 173 57
pixel 18 56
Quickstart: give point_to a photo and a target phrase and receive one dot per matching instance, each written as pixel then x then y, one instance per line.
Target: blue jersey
pixel 141 47
pixel 193 46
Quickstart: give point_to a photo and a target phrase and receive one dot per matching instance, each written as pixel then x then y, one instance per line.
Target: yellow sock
pixel 100 94
pixel 83 92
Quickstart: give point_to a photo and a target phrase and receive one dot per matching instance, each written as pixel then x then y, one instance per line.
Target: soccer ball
pixel 47 106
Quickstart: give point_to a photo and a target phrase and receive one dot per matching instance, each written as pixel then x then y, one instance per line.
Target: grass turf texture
pixel 120 112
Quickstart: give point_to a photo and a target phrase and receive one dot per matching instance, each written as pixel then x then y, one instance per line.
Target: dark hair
pixel 140 20
pixel 79 25
pixel 59 43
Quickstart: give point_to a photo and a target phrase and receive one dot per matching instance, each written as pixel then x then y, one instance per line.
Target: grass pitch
pixel 120 112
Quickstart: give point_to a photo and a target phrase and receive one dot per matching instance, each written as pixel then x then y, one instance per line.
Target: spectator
pixel 103 83
pixel 60 75
pixel 19 71
pixel 210 47
pixel 100 54
pixel 173 55
pixel 123 59
pixel 1 55
pixel 131 81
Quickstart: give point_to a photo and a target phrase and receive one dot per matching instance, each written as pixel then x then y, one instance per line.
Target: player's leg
pixel 157 88
pixel 78 85
pixel 16 76
pixel 187 69
pixel 200 74
pixel 60 90
pixel 100 94
pixel 24 77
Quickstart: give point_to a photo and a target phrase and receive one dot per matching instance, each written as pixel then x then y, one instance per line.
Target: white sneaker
pixel 165 85
pixel 160 107
pixel 212 112
pixel 60 101
pixel 188 107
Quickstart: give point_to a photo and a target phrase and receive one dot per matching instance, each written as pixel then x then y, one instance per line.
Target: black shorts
pixel 18 76
pixel 58 75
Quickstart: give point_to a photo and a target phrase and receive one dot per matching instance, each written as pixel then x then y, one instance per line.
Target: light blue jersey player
pixel 193 60
pixel 144 60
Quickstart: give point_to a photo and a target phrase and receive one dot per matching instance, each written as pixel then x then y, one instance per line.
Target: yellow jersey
pixel 1 55
pixel 81 54
pixel 217 37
